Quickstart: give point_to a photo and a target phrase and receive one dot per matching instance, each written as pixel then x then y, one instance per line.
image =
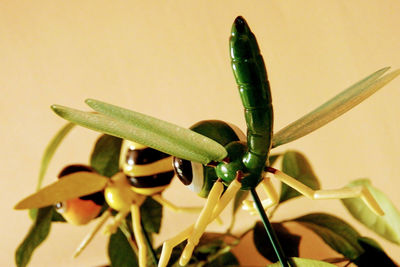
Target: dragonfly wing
pixel 70 186
pixel 155 133
pixel 333 108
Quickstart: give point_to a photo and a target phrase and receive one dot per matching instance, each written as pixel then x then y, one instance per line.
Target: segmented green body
pixel 251 77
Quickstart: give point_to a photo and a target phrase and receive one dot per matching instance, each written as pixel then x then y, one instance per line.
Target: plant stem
pixel 268 228
pixel 149 245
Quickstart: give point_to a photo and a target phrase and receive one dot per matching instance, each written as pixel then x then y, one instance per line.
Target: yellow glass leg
pixel 173 207
pixel 137 231
pixel 228 195
pixel 202 222
pixel 169 245
pixel 103 218
pixel 112 228
pixel 346 192
pixel 272 199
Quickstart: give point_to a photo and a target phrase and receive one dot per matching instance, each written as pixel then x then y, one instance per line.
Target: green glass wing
pixel 335 107
pixel 155 133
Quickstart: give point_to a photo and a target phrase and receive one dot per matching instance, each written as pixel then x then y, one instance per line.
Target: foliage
pixel 213 249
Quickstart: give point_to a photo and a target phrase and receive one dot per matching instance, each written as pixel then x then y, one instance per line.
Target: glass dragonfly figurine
pixel 212 157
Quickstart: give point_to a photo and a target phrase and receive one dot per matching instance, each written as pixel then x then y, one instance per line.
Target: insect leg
pixel 137 231
pixel 173 207
pixel 168 245
pixel 266 203
pixel 202 221
pixel 112 228
pixel 346 192
pixel 228 195
pixel 103 218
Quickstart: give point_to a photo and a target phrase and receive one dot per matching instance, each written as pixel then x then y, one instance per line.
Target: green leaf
pixel 300 262
pixel 296 165
pixel 151 213
pixel 388 225
pixel 48 155
pixel 57 217
pixel 373 254
pixel 105 155
pixel 336 233
pixel 120 251
pixel 273 158
pixel 240 196
pixel 176 253
pixel 334 108
pixel 289 242
pixel 210 243
pixel 146 130
pixel 227 259
pixel 36 235
pixel 51 149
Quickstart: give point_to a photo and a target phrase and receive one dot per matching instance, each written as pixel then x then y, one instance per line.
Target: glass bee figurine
pixel 144 172
pixel 213 158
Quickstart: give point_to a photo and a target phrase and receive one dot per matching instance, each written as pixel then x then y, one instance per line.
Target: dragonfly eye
pixel 190 173
pixel 61 207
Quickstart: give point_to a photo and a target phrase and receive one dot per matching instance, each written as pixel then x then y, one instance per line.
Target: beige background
pixel 170 59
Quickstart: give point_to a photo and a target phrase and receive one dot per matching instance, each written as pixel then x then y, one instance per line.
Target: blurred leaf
pixel 151 213
pixel 120 251
pixel 47 156
pixel 210 243
pixel 240 196
pixel 36 235
pixel 388 225
pixel 339 235
pixel 105 155
pixel 57 217
pixel 51 149
pixel 289 242
pixel 227 259
pixel 176 253
pixel 295 164
pixel 373 254
pixel 300 262
pixel 334 108
pixel 273 158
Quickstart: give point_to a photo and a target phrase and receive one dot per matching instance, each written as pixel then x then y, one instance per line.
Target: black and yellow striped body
pixel 149 171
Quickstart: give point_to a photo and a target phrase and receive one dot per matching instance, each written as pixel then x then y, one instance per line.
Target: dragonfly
pixel 211 158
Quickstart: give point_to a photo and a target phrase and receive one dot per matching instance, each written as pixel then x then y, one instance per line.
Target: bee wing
pixel 155 133
pixel 70 186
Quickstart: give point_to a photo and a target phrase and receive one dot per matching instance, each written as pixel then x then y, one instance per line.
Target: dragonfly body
pixel 251 76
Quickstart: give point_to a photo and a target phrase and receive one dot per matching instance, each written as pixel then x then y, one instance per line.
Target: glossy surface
pixel 200 178
pixel 250 74
pixel 148 171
